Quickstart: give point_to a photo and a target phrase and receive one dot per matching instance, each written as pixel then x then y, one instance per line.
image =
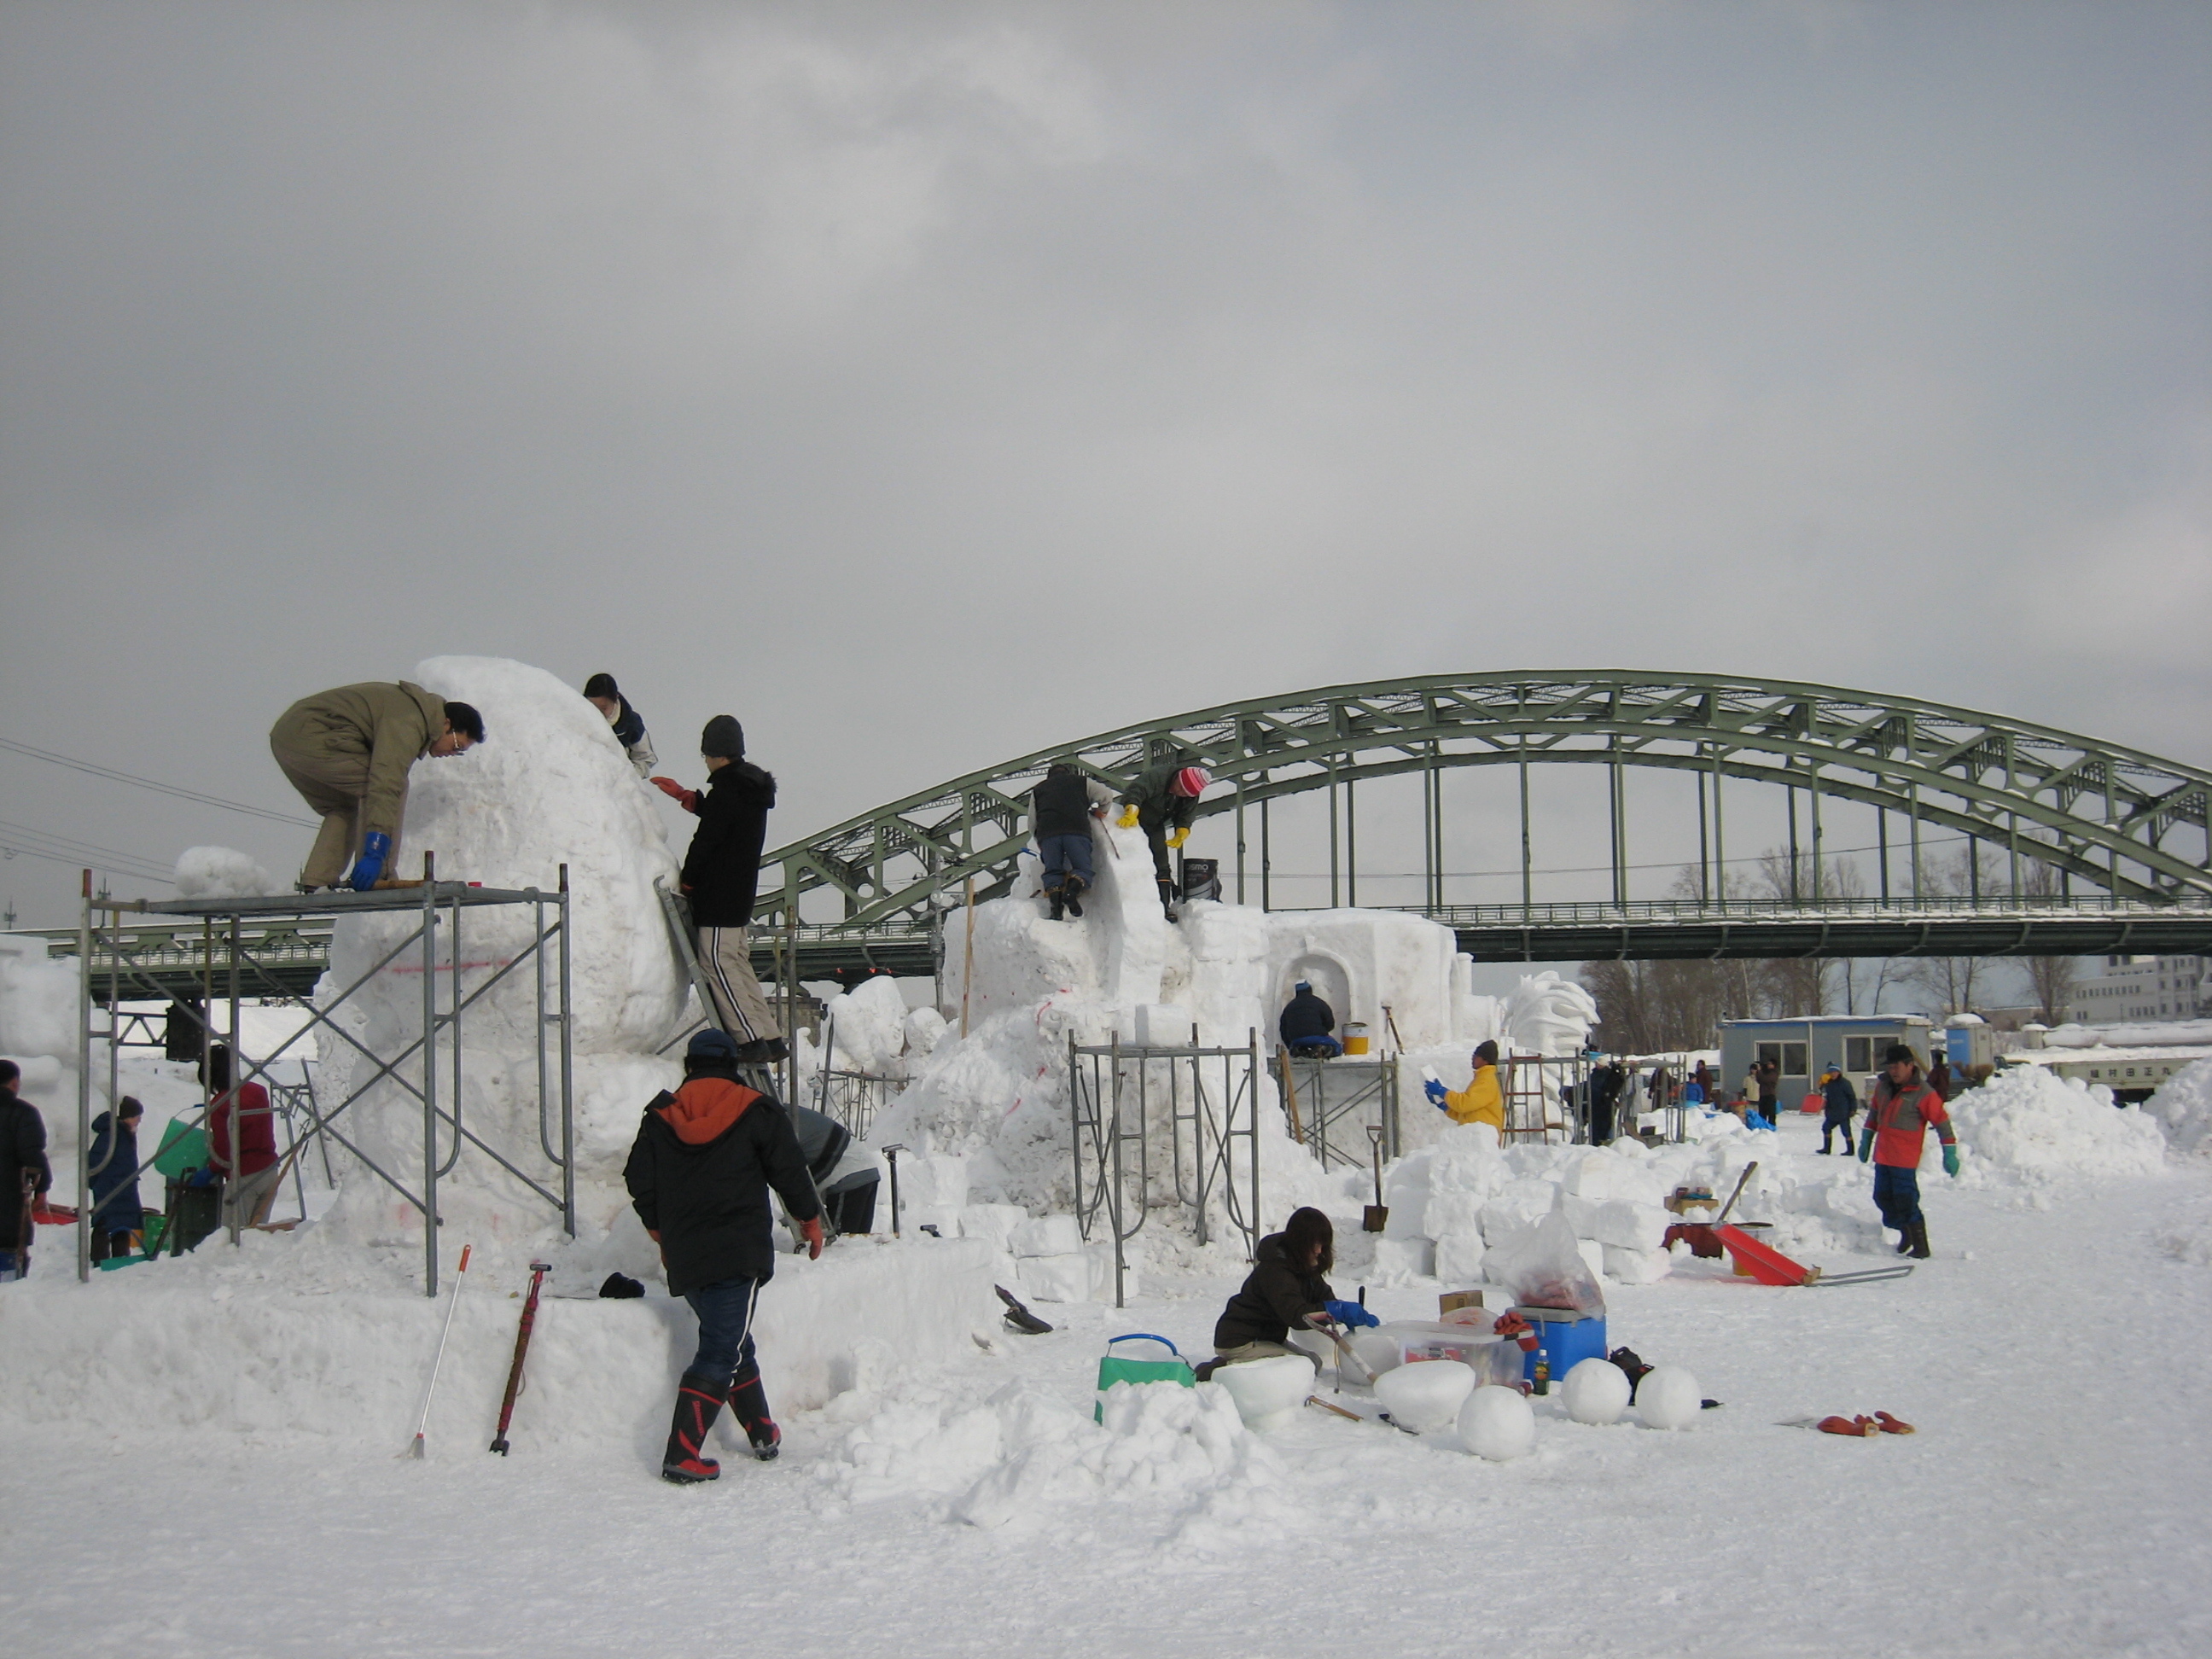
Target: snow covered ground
pixel 2051 1354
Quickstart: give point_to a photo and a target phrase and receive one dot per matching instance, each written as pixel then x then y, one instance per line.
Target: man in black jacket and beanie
pixel 720 871
pixel 698 1175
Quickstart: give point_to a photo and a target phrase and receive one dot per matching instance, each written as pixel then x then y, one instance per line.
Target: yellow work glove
pixel 1127 820
pixel 1179 837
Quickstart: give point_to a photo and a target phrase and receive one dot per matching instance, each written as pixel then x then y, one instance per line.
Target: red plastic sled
pixel 1763 1263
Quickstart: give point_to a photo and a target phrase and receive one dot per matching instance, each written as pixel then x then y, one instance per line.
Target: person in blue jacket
pixel 117 1215
pixel 1839 1103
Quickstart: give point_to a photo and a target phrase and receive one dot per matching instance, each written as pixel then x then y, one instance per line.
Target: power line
pixel 108 771
pixel 39 844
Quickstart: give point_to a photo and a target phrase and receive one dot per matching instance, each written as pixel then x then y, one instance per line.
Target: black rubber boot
pixel 1071 892
pixel 1167 897
pixel 748 1404
pixel 1058 902
pixel 1919 1239
pixel 698 1403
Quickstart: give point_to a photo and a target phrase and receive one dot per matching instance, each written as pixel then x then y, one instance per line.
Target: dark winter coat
pixel 1306 1016
pixel 722 867
pixel 1275 1299
pixel 1062 804
pixel 1152 793
pixel 22 1147
pixel 1840 1099
pixel 699 1173
pixel 115 1178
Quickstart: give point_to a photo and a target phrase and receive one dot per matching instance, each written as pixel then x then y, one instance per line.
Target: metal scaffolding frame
pixel 1110 1092
pixel 439 904
pixel 1330 1091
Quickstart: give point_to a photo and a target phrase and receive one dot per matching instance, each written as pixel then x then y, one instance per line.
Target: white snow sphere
pixel 1424 1396
pixel 1595 1391
pixel 1378 1352
pixel 1498 1423
pixel 1668 1397
pixel 1267 1392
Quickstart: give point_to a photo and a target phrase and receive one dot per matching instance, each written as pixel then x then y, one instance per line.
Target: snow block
pixel 1459 1256
pixel 1619 1222
pixel 1161 1025
pixel 1636 1266
pixel 1066 1278
pixel 1397 1260
pixel 1593 1254
pixel 1048 1236
pixel 995 1223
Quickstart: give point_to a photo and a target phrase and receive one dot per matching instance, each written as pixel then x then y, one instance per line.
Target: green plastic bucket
pixel 1120 1368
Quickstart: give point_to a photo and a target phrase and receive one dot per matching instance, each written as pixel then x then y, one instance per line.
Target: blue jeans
pixel 1897 1194
pixel 1327 1047
pixel 725 1328
pixel 1064 856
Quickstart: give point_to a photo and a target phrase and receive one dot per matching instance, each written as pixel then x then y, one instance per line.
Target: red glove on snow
pixel 686 798
pixel 811 1230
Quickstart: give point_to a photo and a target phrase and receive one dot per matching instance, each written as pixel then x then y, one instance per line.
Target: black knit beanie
pixel 723 737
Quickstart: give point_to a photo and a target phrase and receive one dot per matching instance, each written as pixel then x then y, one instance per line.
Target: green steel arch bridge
pixel 2122 834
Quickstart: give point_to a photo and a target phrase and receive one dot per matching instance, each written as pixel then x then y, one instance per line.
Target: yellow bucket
pixel 1355 1036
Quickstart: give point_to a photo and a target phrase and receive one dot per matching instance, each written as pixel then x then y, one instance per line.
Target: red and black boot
pixel 698 1403
pixel 748 1404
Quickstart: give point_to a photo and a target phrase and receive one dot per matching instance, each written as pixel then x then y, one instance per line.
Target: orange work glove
pixel 686 798
pixel 811 1230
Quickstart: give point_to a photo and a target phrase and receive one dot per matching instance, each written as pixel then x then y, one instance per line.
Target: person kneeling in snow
pixel 1483 1099
pixel 698 1175
pixel 1285 1285
pixel 1308 1024
pixel 1901 1111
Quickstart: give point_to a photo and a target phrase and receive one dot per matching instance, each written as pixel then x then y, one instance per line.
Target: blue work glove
pixel 368 868
pixel 1349 1313
pixel 1866 1145
pixel 1951 1162
pixel 1436 1092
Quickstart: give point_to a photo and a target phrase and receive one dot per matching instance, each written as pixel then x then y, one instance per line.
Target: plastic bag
pixel 1541 1264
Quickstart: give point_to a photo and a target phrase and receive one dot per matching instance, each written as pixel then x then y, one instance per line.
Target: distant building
pixel 1804 1047
pixel 2145 988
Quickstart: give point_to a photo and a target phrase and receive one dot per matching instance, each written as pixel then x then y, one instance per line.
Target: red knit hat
pixel 1191 782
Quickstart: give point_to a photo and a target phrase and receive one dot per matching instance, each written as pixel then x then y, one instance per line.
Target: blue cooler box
pixel 1567 1338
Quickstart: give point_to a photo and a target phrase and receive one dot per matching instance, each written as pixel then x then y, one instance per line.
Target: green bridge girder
pixel 2117 821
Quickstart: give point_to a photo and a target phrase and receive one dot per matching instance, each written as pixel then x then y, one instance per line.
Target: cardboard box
pixel 1452 1301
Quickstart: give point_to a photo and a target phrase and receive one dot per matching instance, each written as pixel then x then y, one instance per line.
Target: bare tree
pixel 1954 982
pixel 2051 980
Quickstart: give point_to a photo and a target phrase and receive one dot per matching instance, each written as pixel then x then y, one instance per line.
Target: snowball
pixel 1268 1392
pixel 220 872
pixel 1427 1395
pixel 1668 1397
pixel 1498 1423
pixel 1595 1391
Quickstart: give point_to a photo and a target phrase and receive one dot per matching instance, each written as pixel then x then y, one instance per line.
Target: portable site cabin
pixel 1805 1047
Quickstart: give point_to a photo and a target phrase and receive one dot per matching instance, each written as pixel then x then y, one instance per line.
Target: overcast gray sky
pixel 929 384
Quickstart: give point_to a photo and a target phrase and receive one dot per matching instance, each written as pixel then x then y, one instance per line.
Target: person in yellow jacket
pixel 1483 1099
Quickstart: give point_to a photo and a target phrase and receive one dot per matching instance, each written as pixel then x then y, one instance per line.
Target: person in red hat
pixel 1162 801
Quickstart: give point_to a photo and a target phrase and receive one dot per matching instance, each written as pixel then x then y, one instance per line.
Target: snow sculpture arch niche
pixel 1331 979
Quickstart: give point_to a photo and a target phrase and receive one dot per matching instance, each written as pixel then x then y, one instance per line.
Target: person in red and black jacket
pixel 1899 1113
pixel 698 1175
pixel 249 1177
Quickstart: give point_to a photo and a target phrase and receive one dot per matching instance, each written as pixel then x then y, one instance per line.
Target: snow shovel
pixel 1377 1216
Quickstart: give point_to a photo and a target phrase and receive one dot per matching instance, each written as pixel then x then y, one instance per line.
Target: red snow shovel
pixel 1762 1262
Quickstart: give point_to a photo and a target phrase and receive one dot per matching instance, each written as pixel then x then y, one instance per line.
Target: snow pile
pixel 38 1001
pixel 2183 1106
pixel 1023 1454
pixel 2141 1034
pixel 2025 1126
pixel 2189 1242
pixel 298 1338
pixel 220 872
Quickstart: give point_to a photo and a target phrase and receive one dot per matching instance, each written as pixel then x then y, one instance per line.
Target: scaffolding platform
pixel 232 933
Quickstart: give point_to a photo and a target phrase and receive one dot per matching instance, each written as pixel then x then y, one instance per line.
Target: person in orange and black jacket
pixel 1901 1111
pixel 699 1174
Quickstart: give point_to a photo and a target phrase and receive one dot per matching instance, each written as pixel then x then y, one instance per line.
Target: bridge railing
pixel 1995 905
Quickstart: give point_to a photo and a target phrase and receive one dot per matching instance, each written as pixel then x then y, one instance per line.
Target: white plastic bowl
pixel 1267 1392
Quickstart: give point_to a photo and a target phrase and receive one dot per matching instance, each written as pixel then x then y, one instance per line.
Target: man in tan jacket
pixel 348 752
